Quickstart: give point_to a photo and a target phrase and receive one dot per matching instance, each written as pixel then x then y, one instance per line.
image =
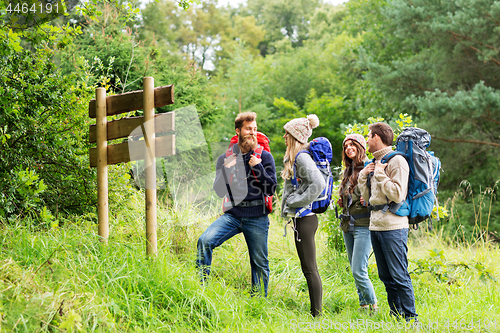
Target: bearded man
pixel 246 179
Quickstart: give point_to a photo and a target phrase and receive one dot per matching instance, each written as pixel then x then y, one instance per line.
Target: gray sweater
pixel 310 185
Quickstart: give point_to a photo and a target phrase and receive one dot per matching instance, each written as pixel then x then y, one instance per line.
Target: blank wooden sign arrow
pixel 132 101
pixel 122 128
pixel 120 153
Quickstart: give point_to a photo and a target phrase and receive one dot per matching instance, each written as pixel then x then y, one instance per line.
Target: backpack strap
pixel 393 207
pixel 229 152
pixel 369 181
pixel 389 156
pixel 352 219
pixel 230 195
pixel 257 152
pixel 348 216
pixel 295 182
pixel 294 179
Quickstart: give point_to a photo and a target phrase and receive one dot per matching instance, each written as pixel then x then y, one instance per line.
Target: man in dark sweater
pixel 246 179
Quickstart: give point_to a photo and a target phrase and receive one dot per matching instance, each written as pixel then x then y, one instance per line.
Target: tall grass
pixel 474 214
pixel 63 279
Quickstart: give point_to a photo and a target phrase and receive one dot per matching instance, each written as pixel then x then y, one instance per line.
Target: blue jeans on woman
pixel 254 229
pixel 391 251
pixel 358 246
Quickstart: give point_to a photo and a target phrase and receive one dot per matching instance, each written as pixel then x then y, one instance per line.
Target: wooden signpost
pixel 152 146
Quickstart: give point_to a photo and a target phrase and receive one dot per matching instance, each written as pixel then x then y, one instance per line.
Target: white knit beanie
pixel 301 128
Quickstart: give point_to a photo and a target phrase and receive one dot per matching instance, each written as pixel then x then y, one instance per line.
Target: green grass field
pixel 63 279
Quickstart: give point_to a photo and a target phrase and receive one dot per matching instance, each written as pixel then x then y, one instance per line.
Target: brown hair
pixel 242 117
pixel 352 167
pixel 384 131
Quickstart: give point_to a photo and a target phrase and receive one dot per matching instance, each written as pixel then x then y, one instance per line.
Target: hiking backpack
pixel 423 180
pixel 262 144
pixel 320 150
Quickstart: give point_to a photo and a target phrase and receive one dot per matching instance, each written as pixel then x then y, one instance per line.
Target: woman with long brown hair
pixel 298 164
pixel 355 219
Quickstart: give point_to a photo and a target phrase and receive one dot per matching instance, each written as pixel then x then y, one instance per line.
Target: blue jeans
pixel 358 246
pixel 391 251
pixel 255 230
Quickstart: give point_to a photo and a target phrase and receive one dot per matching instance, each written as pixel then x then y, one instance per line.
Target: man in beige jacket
pixel 388 231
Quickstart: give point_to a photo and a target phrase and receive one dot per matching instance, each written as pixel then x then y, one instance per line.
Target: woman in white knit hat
pixel 310 185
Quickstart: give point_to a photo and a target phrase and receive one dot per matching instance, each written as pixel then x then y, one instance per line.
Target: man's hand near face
pixel 380 166
pixel 254 161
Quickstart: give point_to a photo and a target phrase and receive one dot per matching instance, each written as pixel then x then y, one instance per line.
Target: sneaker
pixel 364 309
pixel 374 311
pixel 413 321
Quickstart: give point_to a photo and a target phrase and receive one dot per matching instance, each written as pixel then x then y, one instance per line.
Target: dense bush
pixel 44 136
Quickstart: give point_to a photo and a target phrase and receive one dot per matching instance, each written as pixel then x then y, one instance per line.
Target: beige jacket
pixel 388 185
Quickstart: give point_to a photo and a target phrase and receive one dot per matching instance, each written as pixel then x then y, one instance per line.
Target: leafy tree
pixel 326 22
pixel 162 22
pixel 43 147
pixel 282 19
pixel 118 59
pixel 206 34
pixel 112 51
pixel 44 118
pixel 320 77
pixel 438 61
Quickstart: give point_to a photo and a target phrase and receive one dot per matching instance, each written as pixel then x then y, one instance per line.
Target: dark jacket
pixel 248 183
pixel 352 206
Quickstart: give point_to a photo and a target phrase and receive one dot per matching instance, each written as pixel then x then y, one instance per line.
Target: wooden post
pixel 150 164
pixel 102 164
pixel 104 154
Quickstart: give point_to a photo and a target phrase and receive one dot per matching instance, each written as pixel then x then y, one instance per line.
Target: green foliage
pixel 292 84
pixel 185 4
pixel 438 61
pixel 282 21
pixel 473 215
pixel 326 22
pixel 116 58
pixel 403 121
pixel 23 197
pixel 44 118
pixel 92 10
pixel 449 272
pixel 207 35
pixel 110 57
pixel 330 226
pixel 64 279
pixel 44 126
pixel 471 130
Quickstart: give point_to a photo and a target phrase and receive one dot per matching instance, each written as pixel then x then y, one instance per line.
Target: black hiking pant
pixel 305 230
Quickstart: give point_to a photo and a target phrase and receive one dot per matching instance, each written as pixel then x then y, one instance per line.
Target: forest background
pixel 435 64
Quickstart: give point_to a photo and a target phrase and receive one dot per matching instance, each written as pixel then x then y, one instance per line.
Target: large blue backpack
pixel 320 150
pixel 423 179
